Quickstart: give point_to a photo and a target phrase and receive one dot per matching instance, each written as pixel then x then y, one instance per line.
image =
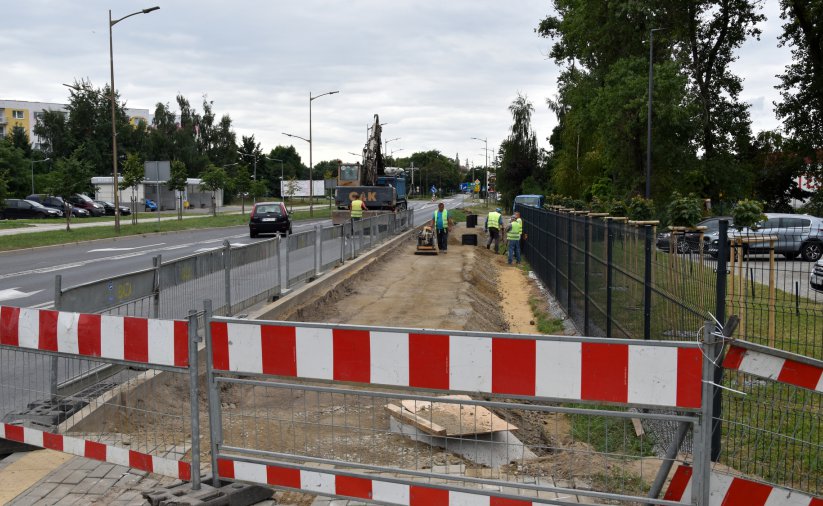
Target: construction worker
pixel 441 223
pixel 513 232
pixel 494 222
pixel 357 207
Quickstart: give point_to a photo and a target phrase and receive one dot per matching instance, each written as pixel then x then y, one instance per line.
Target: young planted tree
pixel 214 178
pixel 133 174
pixel 241 182
pixel 70 175
pixel 177 183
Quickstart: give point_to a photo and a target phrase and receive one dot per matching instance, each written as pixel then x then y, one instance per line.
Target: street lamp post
pixel 32 171
pixel 485 167
pixel 281 176
pixel 649 119
pixel 113 22
pixel 386 144
pixel 311 167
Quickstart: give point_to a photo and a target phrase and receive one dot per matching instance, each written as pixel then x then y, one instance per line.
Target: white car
pixel 816 277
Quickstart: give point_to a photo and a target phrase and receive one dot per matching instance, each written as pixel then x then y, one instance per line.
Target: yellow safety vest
pixel 494 220
pixel 514 233
pixel 445 219
pixel 357 208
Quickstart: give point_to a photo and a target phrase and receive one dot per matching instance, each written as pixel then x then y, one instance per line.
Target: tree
pixel 213 178
pixel 52 129
pixel 520 153
pixel 20 140
pixel 17 168
pixel 801 86
pixel 241 183
pixel 133 174
pixel 70 175
pixel 177 183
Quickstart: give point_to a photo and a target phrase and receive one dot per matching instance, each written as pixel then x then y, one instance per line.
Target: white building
pixel 194 195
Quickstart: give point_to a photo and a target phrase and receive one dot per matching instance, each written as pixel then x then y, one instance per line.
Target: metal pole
pixel 58 292
pixel 215 422
pixel 649 117
pixel 227 275
pixel 311 184
pixel 194 399
pixel 158 262
pixel 668 460
pixel 647 286
pixel 569 264
pixel 586 252
pixel 609 275
pixel 702 458
pixel 113 133
pixel 720 310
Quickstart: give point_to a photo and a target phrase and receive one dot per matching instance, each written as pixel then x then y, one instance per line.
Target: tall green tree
pixel 20 140
pixel 801 85
pixel 17 168
pixel 520 151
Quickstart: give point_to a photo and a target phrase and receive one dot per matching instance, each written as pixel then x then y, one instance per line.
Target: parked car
pixel 22 208
pixel 797 234
pixel 269 218
pixel 59 204
pixel 85 202
pixel 108 207
pixel 688 242
pixel 816 277
pixel 151 205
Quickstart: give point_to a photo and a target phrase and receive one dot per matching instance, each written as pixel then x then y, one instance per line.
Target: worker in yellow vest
pixel 494 222
pixel 441 223
pixel 513 232
pixel 357 207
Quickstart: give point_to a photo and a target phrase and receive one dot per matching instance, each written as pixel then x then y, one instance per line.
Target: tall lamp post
pixel 311 166
pixel 649 120
pixel 386 144
pixel 113 22
pixel 485 167
pixel 32 171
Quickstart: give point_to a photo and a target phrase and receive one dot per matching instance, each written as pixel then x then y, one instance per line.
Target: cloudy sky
pixel 438 72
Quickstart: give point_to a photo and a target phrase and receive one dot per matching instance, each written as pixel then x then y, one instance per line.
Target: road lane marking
pixel 126 249
pixel 14 293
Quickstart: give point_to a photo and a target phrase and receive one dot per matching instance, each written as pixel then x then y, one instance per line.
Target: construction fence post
pixel 215 422
pixel 194 397
pixel 569 264
pixel 703 437
pixel 720 310
pixel 157 262
pixel 227 274
pixel 58 293
pixel 318 250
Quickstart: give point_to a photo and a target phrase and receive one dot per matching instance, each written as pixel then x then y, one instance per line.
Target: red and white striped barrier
pixel 529 366
pixel 143 340
pixel 774 368
pixel 728 490
pixel 324 483
pixel 97 451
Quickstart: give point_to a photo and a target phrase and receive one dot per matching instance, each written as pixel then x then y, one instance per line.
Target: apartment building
pixel 27 114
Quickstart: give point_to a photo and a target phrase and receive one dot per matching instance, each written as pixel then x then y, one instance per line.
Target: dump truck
pixel 382 189
pixel 387 194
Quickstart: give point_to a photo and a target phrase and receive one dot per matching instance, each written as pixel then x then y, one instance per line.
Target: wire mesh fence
pixel 620 279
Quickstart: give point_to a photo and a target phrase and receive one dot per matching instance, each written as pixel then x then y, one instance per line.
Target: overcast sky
pixel 438 72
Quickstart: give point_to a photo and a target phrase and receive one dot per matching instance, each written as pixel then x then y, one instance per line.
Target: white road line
pixel 126 249
pixel 14 293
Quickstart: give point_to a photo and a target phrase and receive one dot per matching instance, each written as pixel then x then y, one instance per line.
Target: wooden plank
pixel 458 419
pixel 638 427
pixel 419 422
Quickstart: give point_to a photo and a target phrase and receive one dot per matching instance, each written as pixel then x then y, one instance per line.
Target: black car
pixel 58 203
pixel 269 218
pixel 108 207
pixel 688 242
pixel 22 208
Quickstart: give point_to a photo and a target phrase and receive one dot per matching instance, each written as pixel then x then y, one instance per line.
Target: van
pixel 528 200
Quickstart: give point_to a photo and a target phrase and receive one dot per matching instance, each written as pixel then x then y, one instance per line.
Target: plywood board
pixel 455 419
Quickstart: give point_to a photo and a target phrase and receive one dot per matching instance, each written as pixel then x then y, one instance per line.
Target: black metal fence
pixel 622 279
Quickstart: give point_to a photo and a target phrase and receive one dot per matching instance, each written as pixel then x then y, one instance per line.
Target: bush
pixel 747 213
pixel 618 208
pixel 641 209
pixel 684 211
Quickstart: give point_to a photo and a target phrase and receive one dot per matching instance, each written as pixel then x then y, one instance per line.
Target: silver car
pixel 796 234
